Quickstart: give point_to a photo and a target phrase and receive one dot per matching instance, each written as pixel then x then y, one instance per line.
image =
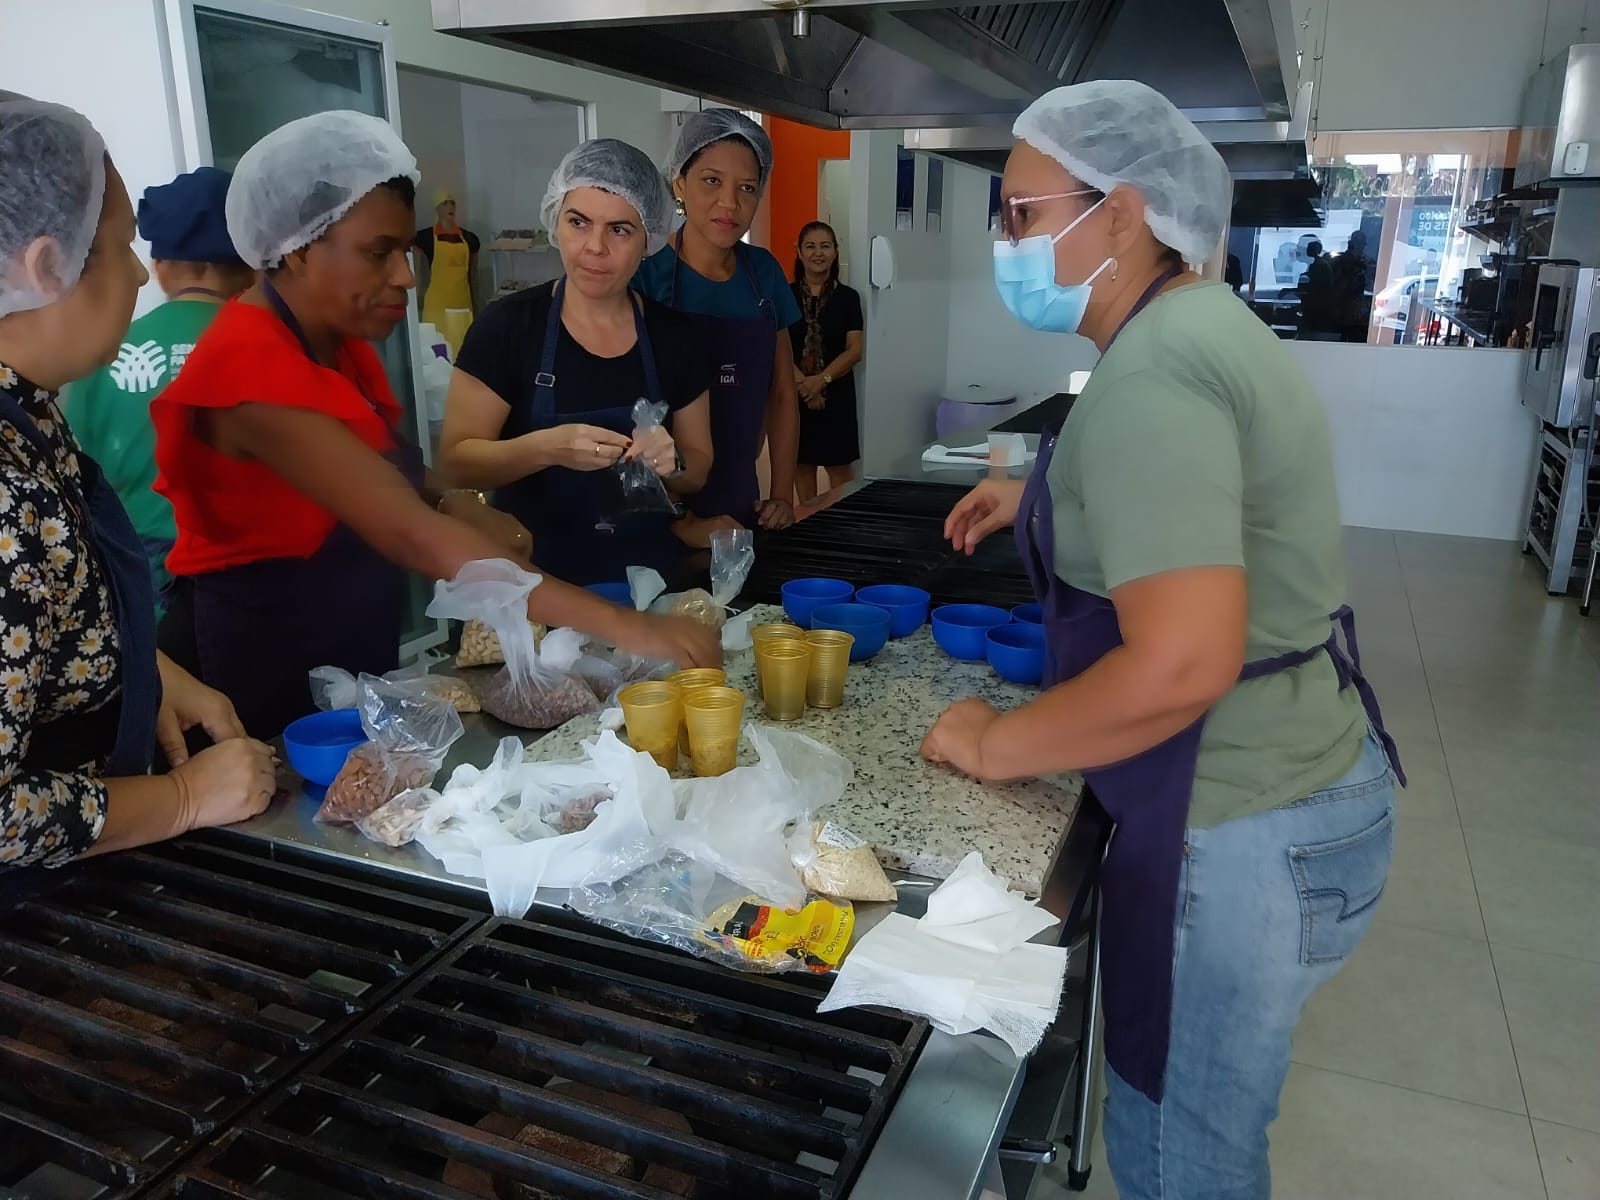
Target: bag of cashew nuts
pixel 411 727
pixel 480 647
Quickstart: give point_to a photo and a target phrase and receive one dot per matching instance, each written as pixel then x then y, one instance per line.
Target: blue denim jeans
pixel 1269 906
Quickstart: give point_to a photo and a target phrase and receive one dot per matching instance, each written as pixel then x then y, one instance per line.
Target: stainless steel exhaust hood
pixel 864 64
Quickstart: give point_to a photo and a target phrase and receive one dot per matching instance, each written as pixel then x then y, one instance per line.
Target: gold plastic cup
pixel 768 633
pixel 784 665
pixel 830 662
pixel 713 715
pixel 653 711
pixel 695 677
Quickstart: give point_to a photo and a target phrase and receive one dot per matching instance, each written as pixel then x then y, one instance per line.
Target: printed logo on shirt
pixel 728 374
pixel 139 368
pixel 180 355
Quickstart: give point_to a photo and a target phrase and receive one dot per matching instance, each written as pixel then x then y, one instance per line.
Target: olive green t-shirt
pixel 1199 441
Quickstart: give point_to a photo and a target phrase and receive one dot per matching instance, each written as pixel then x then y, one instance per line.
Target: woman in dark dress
pixel 827 342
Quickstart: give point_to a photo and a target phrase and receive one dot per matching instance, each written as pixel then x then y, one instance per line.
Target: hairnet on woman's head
pixel 1117 131
pixel 302 177
pixel 712 125
pixel 52 186
pixel 620 169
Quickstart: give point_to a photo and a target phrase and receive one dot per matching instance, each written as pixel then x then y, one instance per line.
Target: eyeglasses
pixel 1011 223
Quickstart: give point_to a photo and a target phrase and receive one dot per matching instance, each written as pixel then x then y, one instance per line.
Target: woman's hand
pixel 671 639
pixel 186 703
pixel 231 781
pixel 656 447
pixel 991 505
pixel 499 527
pixel 580 447
pixel 812 392
pixel 775 513
pixel 956 737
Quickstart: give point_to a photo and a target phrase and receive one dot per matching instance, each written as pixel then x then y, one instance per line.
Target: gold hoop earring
pixel 1114 266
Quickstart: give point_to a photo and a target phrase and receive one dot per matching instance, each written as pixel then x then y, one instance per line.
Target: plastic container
pixel 802 597
pixel 319 744
pixel 868 624
pixel 959 629
pixel 617 593
pixel 1016 652
pixel 1028 614
pixel 830 667
pixel 907 606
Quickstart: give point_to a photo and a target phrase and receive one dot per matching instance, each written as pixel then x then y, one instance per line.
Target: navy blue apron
pixel 254 632
pixel 1147 796
pixel 565 510
pixel 745 352
pixel 127 724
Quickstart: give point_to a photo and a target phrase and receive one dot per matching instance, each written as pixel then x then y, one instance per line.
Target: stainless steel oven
pixel 1558 378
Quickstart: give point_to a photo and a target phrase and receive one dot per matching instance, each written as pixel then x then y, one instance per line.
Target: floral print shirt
pixel 58 637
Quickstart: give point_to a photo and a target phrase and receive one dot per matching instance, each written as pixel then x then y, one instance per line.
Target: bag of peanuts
pixel 411 728
pixel 334 688
pixel 539 687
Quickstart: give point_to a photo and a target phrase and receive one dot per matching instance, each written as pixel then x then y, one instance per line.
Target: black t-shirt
pixel 840 315
pixel 560 506
pixel 424 241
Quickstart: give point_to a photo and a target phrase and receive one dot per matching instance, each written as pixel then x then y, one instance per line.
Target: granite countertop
pixel 920 818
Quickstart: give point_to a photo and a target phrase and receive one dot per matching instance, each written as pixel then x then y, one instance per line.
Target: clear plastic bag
pixel 334 688
pixel 410 728
pixel 634 489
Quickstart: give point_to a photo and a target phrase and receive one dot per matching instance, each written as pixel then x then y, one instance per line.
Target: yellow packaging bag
pixel 817 935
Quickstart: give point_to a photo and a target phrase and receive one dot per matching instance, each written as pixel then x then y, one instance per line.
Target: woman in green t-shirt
pixel 1182 536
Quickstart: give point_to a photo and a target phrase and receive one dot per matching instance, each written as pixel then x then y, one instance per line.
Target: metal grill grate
pixel 146 997
pixel 502 1072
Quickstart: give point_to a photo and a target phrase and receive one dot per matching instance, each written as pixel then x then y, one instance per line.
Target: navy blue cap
pixel 185 220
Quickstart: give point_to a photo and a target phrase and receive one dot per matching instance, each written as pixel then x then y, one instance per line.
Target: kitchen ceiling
pixel 864 64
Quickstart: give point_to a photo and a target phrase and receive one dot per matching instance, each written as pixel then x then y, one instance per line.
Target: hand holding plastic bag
pixel 635 488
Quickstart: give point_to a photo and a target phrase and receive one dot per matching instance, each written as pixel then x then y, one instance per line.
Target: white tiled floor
pixel 1457 1055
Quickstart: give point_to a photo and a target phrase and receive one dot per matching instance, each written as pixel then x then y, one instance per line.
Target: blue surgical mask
pixel 1025 275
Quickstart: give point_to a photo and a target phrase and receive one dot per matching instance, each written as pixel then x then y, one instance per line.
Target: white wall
pixel 430 114
pixel 1431 440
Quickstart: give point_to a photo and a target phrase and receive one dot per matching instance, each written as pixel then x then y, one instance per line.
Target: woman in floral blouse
pixel 84 697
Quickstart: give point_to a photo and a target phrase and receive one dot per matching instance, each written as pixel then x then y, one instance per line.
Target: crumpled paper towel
pixel 966 965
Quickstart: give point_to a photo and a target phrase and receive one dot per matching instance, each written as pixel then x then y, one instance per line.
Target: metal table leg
pixel 1089 1057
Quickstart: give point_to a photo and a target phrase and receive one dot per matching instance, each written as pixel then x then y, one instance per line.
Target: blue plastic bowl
pixel 802 597
pixel 907 606
pixel 1016 652
pixel 319 744
pixel 617 593
pixel 1028 614
pixel 959 629
pixel 868 624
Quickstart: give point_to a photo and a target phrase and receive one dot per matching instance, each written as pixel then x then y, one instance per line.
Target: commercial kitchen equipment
pixel 1560 365
pixel 1560 141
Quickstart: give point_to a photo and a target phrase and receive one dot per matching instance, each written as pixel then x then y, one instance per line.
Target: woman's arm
pixel 854 352
pixel 691 433
pixel 1183 648
pixel 472 453
pixel 783 433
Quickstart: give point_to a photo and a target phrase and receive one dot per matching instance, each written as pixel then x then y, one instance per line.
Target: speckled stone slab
pixel 920 818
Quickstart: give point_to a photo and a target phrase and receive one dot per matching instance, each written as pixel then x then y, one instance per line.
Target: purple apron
pixel 1147 796
pixel 254 632
pixel 745 351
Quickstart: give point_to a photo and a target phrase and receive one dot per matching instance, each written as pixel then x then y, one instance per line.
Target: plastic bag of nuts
pixel 549 692
pixel 480 645
pixel 411 727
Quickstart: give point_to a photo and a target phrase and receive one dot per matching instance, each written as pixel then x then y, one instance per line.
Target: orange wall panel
pixel 798 152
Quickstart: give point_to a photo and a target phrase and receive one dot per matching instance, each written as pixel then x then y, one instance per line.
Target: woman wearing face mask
pixel 1182 534
pixel 827 345
pixel 541 402
pixel 86 697
pixel 718 169
pixel 298 502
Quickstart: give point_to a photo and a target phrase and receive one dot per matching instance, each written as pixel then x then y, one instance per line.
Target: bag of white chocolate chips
pixel 840 864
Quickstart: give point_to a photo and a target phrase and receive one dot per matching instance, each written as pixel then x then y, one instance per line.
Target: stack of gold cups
pixel 692 680
pixel 830 662
pixel 654 713
pixel 713 715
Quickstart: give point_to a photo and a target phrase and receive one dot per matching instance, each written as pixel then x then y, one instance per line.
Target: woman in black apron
pixel 1181 532
pixel 297 499
pixel 84 696
pixel 719 167
pixel 541 404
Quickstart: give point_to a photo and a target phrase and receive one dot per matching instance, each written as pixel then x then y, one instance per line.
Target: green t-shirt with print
pixel 1199 441
pixel 109 413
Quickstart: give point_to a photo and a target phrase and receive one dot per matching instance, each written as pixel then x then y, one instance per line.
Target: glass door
pixel 247 67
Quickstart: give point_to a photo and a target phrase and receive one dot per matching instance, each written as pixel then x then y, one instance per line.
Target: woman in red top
pixel 297 506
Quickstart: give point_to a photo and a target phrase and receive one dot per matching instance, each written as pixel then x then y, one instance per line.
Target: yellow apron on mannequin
pixel 448 288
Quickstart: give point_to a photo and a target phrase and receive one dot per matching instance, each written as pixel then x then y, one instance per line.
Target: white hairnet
pixel 303 176
pixel 52 185
pixel 620 169
pixel 1113 131
pixel 703 128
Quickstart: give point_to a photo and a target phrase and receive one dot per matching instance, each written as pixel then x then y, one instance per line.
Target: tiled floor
pixel 1457 1055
